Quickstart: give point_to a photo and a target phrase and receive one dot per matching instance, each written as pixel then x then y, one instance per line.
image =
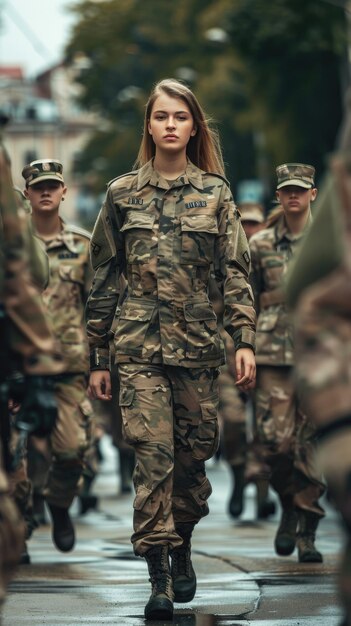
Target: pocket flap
pixel 137 310
pixel 202 223
pixel 126 396
pixel 198 311
pixel 138 219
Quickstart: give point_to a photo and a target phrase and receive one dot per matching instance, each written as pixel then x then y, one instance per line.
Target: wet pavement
pixel 240 579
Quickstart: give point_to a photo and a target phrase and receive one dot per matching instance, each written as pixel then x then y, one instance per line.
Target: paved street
pixel 240 579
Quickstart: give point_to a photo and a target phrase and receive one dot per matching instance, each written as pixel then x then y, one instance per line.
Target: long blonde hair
pixel 203 149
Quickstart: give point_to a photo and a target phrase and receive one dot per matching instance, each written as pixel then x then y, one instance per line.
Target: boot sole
pixel 62 543
pixel 159 609
pixel 311 559
pixel 284 550
pixel 181 597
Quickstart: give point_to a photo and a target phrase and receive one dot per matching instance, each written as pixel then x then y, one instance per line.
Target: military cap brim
pixel 39 179
pixel 251 213
pixel 296 182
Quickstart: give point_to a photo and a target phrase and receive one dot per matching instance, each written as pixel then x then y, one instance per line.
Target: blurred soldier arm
pixel 27 339
pixel 255 274
pixel 38 259
pixel 107 262
pixel 231 270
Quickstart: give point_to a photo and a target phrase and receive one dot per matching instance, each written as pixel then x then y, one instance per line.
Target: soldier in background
pixel 64 299
pixel 27 346
pixel 235 406
pixel 20 484
pixel 319 289
pixel 284 432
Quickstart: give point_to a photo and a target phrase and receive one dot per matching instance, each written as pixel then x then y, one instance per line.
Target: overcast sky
pixel 33 33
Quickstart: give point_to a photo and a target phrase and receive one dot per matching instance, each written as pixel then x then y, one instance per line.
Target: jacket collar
pixel 148 175
pixel 282 232
pixel 64 237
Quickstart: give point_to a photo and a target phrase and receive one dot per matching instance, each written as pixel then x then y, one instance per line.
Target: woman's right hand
pixel 100 385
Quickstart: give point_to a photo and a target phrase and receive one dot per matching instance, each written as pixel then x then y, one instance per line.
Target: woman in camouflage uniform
pixel 164 225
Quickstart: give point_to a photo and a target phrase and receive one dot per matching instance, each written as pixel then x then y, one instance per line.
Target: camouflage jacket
pixel 271 252
pixel 165 237
pixel 66 294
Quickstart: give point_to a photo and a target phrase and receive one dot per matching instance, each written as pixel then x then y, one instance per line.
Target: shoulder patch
pixel 77 230
pixel 133 173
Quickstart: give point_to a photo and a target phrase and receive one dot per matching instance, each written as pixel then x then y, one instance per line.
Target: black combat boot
pixel 160 604
pixel 235 507
pixel 265 506
pixel 63 530
pixel 24 556
pixel 126 468
pixel 285 539
pixel 306 536
pixel 87 501
pixel 182 571
pixel 39 509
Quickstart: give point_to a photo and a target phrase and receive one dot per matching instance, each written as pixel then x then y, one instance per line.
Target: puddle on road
pixel 194 619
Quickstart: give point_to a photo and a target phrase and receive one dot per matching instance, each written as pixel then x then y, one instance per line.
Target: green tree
pixel 130 44
pixel 294 53
pixel 268 73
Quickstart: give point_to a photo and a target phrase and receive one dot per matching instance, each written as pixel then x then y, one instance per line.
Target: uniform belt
pixel 268 298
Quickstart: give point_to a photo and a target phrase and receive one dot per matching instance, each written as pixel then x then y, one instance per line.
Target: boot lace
pixel 288 522
pixel 181 562
pixel 306 543
pixel 160 579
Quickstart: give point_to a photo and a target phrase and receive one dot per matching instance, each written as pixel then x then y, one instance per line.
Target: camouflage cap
pixel 43 169
pixel 251 212
pixel 298 174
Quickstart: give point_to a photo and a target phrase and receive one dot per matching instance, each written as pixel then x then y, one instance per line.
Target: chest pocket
pixel 273 267
pixel 198 238
pixel 140 239
pixel 72 273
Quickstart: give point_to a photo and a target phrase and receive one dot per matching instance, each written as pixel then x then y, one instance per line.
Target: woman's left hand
pixel 245 368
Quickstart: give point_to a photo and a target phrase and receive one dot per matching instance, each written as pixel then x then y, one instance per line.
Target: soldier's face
pixel 171 124
pixel 296 199
pixel 45 195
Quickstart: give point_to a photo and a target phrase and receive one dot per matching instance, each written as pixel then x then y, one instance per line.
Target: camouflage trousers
pixel 286 439
pixel 55 465
pixel 20 485
pixel 170 418
pixel 11 534
pixel 232 418
pixel 114 415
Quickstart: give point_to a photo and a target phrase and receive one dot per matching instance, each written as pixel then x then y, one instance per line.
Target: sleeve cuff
pixel 100 359
pixel 245 339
